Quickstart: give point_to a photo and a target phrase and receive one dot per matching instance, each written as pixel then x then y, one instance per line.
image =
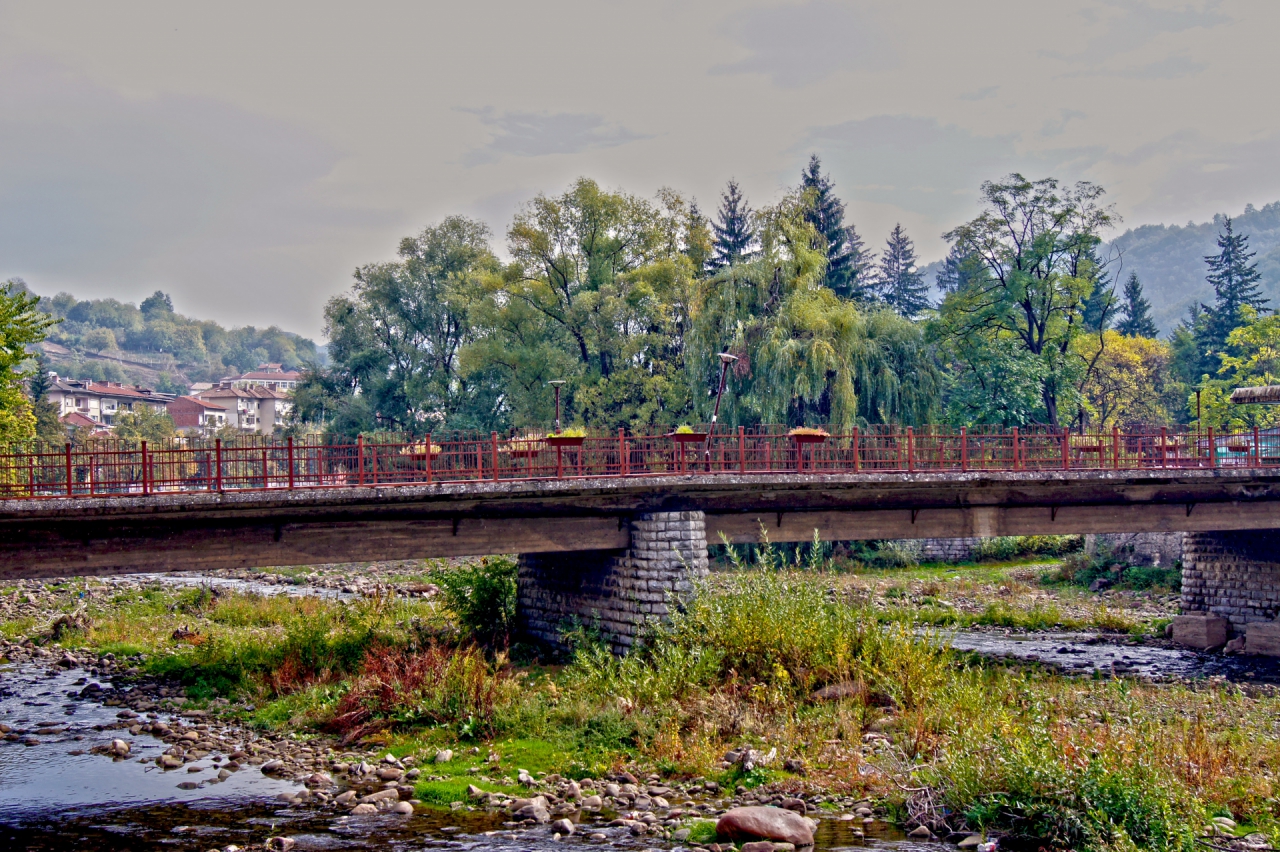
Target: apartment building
pixel 101 402
pixel 271 376
pixel 194 416
pixel 259 410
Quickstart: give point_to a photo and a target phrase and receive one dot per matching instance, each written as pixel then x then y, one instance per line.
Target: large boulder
pixel 765 823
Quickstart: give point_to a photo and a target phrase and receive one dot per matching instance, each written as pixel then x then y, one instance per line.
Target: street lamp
pixel 556 383
pixel 725 360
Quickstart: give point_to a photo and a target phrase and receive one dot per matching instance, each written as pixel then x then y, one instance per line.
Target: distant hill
pixel 1169 259
pixel 154 346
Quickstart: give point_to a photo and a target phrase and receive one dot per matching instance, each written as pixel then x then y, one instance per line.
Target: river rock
pixel 272 766
pixel 759 846
pixel 388 793
pixel 364 809
pixel 281 844
pixel 563 827
pixel 973 841
pixel 592 803
pixel 390 773
pixel 402 808
pixel 119 748
pixel 474 792
pixel 757 822
pixel 444 755
pixel 920 832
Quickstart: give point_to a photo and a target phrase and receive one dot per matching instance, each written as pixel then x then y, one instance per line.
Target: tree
pixel 396 340
pixel 899 283
pixel 825 212
pixel 1036 243
pixel 143 423
pixel 1252 358
pixel 1135 315
pixel 157 302
pixel 1101 304
pixel 1235 286
pixel 22 324
pixel 733 235
pixel 1130 381
pixel 959 270
pixel 48 427
pixel 805 355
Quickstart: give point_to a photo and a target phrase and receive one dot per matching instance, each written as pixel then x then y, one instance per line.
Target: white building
pixel 100 402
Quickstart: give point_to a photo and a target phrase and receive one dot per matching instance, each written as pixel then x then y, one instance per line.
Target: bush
pixel 1012 547
pixel 482 596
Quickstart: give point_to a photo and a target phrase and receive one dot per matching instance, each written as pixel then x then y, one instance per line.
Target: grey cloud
pixel 1058 127
pixel 529 134
pixel 795 45
pixel 111 195
pixel 1170 68
pixel 1202 174
pixel 1131 24
pixel 981 94
pixel 929 168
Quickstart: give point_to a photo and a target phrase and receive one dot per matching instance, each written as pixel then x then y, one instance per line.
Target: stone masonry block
pixel 1200 630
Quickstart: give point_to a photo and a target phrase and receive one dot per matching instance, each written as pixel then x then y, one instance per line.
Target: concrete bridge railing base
pixel 614 593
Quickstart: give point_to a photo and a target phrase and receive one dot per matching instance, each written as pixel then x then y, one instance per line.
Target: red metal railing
pixel 188 465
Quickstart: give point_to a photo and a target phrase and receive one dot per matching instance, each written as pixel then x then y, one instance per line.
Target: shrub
pixel 1003 548
pixel 438 685
pixel 482 596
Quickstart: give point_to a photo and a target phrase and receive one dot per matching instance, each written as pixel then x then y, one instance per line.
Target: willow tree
pixel 806 356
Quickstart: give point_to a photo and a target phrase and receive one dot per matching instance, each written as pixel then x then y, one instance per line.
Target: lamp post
pixel 725 360
pixel 556 383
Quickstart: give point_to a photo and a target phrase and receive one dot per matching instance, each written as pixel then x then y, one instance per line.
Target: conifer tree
pixel 1100 307
pixel 733 237
pixel 899 282
pixel 845 264
pixel 959 269
pixel 1235 285
pixel 1135 314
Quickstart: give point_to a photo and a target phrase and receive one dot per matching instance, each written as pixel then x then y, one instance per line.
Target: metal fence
pixel 190 465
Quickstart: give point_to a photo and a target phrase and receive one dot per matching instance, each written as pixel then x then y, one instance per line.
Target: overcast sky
pixel 247 156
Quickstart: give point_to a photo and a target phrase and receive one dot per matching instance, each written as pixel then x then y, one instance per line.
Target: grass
pixel 1076 763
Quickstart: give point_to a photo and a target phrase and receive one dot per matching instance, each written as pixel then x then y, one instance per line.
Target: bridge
pixel 608 527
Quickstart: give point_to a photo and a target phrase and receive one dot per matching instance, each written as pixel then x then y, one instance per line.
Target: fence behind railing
pixel 115 467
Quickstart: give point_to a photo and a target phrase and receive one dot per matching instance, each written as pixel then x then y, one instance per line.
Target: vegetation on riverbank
pixel 830 670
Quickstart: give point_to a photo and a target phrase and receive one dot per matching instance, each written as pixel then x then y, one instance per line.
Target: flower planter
pixel 1239 448
pixel 528 453
pixel 687 437
pixel 809 439
pixel 564 440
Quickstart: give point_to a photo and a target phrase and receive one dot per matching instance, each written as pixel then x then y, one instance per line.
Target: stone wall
pixel 1151 548
pixel 1232 574
pixel 948 549
pixel 614 592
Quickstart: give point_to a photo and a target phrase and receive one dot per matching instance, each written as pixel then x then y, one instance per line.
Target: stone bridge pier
pixel 1231 586
pixel 614 593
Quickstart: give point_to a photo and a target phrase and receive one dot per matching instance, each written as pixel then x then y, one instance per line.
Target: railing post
pixel 1164 446
pixel 1257 451
pixel 70 486
pixel 1115 447
pixel 1016 465
pixel 290 440
pixel 217 449
pixel 622 452
pixel 1213 449
pixel 742 450
pixel 493 445
pixel 373 459
pixel 360 459
pixel 857 452
pixel 911 449
pixel 429 446
pixel 964 449
pixel 1066 448
pixel 146 484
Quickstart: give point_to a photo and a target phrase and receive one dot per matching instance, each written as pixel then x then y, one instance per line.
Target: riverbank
pixel 830 688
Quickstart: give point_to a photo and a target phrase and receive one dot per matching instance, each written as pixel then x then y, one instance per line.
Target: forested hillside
pixel 1170 259
pixel 152 344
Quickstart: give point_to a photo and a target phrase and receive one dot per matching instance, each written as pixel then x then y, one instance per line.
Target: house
pixel 272 376
pixel 75 420
pixel 259 410
pixel 100 402
pixel 196 416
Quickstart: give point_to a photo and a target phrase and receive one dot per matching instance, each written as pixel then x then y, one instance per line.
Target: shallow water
pixel 254 587
pixel 1086 653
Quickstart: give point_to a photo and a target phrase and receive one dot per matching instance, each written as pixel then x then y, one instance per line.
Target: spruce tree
pixel 1100 307
pixel 1135 315
pixel 1235 286
pixel 826 214
pixel 898 280
pixel 959 269
pixel 733 238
